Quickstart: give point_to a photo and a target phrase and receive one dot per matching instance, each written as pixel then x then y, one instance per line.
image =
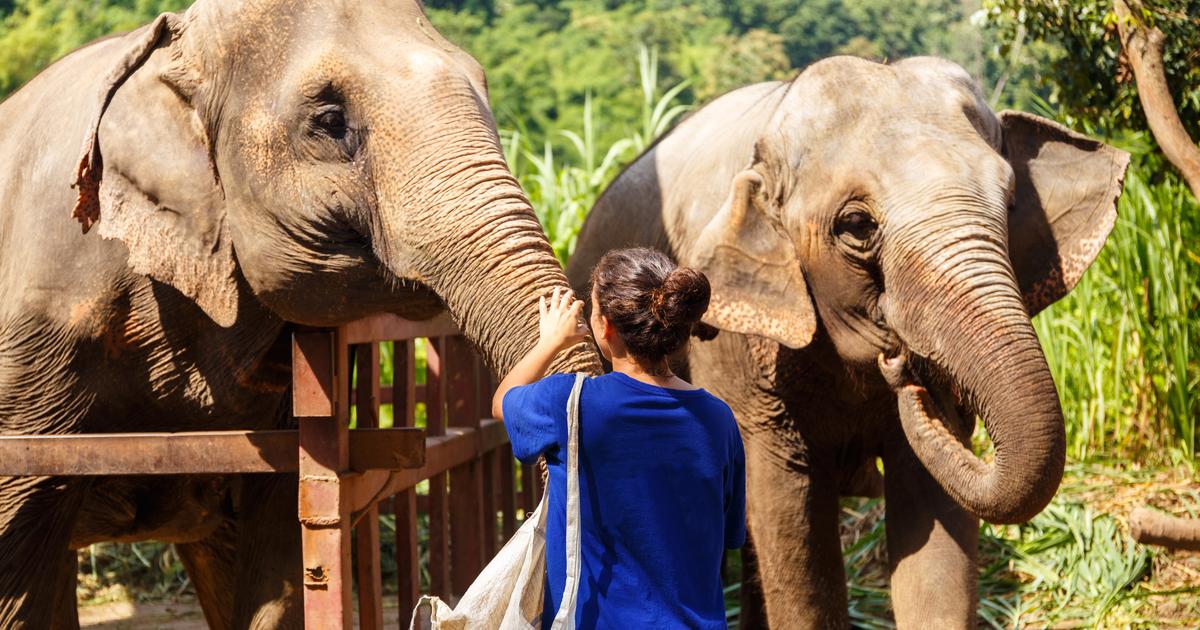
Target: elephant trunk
pixel 491 274
pixel 954 303
pixel 453 218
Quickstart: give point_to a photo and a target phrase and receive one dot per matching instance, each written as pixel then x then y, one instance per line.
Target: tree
pixel 1124 64
pixel 1144 44
pixel 486 7
pixel 877 29
pixel 37 32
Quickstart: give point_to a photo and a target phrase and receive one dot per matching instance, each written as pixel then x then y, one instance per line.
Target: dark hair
pixel 652 303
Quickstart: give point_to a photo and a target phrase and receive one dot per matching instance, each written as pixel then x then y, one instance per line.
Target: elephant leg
pixel 66 604
pixel 269 567
pixel 792 515
pixel 211 564
pixel 37 566
pixel 932 547
pixel 753 614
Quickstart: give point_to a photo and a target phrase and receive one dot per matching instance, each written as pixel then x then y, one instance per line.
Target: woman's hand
pixel 559 328
pixel 560 325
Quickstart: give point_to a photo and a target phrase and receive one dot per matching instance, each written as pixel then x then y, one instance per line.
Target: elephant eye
pixel 856 226
pixel 332 121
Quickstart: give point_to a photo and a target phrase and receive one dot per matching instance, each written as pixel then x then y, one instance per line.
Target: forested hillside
pixel 544 57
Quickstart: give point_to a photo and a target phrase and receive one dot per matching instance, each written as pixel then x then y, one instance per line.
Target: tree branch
pixel 1153 528
pixel 1143 45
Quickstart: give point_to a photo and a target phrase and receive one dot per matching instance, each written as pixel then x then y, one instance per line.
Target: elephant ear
pixel 1064 204
pixel 757 285
pixel 146 175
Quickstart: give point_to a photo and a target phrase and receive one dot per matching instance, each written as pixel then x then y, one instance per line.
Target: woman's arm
pixel 559 328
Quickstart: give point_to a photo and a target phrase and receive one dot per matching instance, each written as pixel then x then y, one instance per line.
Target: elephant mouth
pixel 951 400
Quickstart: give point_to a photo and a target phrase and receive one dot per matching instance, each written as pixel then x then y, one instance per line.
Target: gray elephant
pixel 866 216
pixel 238 168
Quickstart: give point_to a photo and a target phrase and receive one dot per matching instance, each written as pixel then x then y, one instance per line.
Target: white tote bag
pixel 508 594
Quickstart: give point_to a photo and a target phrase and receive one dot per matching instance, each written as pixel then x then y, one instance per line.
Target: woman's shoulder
pixel 557 385
pixel 547 393
pixel 720 412
pixel 561 379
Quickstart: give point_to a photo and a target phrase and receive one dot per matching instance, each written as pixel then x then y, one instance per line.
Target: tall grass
pixel 563 186
pixel 1123 345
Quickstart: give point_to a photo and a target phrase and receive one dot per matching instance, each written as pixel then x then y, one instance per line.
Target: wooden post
pixel 491 475
pixel 366 539
pixel 320 402
pixel 508 495
pixel 466 480
pixel 404 504
pixel 491 464
pixel 439 526
pixel 529 496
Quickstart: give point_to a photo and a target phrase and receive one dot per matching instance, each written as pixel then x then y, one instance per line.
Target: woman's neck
pixel 659 374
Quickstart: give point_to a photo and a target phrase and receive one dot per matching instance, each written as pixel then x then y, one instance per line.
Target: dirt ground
pixel 181 614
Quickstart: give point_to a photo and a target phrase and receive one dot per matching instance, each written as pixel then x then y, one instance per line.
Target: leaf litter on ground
pixel 1072 566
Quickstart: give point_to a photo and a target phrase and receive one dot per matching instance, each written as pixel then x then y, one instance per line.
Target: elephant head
pixel 328 160
pixel 892 206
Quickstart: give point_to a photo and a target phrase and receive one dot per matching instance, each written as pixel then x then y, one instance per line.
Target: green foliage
pixel 1072 566
pixel 34 33
pixel 879 29
pixel 1082 66
pixel 149 570
pixel 545 59
pixel 1079 562
pixel 563 190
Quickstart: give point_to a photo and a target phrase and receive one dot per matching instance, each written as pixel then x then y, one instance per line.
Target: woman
pixel 662 472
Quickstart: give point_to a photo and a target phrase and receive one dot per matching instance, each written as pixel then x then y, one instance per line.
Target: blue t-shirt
pixel 662 495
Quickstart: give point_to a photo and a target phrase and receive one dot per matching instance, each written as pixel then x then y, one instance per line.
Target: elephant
pixel 877 240
pixel 175 202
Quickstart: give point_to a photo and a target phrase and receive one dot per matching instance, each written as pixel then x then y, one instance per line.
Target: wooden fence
pixel 471 503
pixel 349 476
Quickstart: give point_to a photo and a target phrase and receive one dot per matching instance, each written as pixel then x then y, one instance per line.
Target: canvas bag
pixel 509 593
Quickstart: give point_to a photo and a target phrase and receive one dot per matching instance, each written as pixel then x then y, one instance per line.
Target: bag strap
pixel 565 619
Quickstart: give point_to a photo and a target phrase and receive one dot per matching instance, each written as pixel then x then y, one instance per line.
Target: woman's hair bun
pixel 653 304
pixel 683 297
